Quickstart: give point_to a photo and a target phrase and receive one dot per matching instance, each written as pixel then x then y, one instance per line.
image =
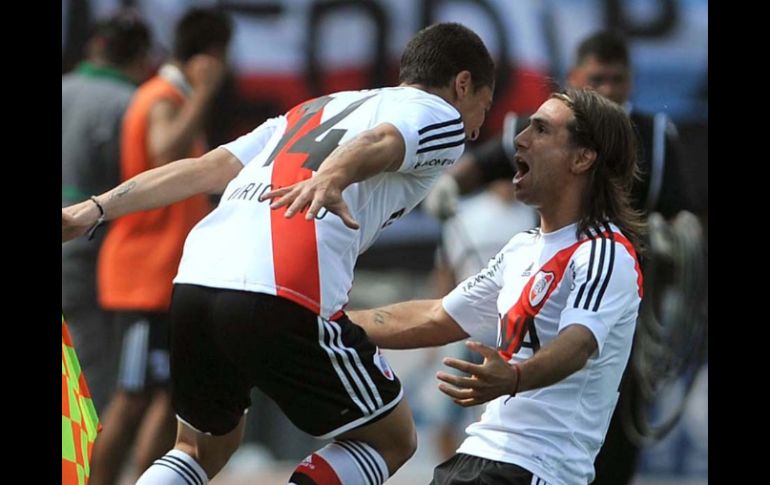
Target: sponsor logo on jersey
pixel 527 271
pixel 434 162
pixel 487 273
pixel 382 364
pixel 540 287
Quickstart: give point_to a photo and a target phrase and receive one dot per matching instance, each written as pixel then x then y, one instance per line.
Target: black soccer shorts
pixel 326 376
pixel 463 469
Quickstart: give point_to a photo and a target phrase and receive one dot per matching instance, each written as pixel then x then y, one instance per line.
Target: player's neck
pixel 444 93
pixel 558 213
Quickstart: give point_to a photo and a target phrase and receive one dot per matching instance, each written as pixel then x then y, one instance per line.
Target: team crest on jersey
pixel 543 281
pixel 382 364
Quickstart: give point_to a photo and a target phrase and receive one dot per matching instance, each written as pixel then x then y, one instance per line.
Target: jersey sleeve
pixel 473 303
pixel 604 287
pixel 248 146
pixel 433 132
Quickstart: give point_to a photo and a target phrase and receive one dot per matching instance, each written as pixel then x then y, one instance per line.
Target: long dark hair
pixel 601 125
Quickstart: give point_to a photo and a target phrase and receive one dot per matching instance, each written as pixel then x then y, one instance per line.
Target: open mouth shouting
pixel 522 169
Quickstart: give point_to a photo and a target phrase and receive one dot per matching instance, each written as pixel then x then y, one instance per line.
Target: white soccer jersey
pixel 537 285
pixel 244 245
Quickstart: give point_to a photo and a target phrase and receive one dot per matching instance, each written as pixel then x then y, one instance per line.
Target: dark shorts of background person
pixel 462 469
pixel 326 376
pixel 144 354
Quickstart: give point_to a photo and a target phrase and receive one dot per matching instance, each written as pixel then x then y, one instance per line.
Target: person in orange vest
pixel 141 252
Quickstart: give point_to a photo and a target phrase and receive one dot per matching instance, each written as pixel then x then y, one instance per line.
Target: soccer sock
pixel 347 462
pixel 174 468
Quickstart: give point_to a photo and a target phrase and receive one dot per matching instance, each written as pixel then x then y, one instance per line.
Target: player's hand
pixel 441 202
pixel 311 195
pixel 487 381
pixel 77 219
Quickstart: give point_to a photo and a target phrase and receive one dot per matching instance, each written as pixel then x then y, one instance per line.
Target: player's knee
pixel 211 458
pixel 400 448
pixel 409 444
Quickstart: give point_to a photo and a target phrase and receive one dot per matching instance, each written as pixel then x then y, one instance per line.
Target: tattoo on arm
pixel 380 316
pixel 123 190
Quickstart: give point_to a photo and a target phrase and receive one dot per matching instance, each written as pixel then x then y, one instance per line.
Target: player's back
pixel 245 245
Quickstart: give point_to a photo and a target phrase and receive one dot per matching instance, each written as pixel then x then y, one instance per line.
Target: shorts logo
pixel 382 364
pixel 308 462
pixel 540 287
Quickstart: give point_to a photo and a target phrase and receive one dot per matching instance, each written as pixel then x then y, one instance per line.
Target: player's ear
pixel 583 161
pixel 462 84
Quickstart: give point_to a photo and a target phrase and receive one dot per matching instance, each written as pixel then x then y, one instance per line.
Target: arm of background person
pixel 172 128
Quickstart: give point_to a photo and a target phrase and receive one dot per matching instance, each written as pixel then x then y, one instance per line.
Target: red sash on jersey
pixel 295 254
pixel 521 317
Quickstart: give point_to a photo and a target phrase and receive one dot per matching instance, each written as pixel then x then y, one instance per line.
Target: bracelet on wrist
pixel 99 221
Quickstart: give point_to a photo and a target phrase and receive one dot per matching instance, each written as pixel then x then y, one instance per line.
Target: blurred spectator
pixel 94 98
pixel 142 251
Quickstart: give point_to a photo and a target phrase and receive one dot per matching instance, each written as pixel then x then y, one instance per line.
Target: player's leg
pixel 209 394
pixel 195 458
pixel 157 432
pixel 353 394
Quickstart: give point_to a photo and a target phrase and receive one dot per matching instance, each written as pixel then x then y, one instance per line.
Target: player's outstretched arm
pixel 409 325
pixel 154 188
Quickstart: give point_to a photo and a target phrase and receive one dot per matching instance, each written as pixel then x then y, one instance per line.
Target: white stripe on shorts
pixel 334 358
pixel 360 367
